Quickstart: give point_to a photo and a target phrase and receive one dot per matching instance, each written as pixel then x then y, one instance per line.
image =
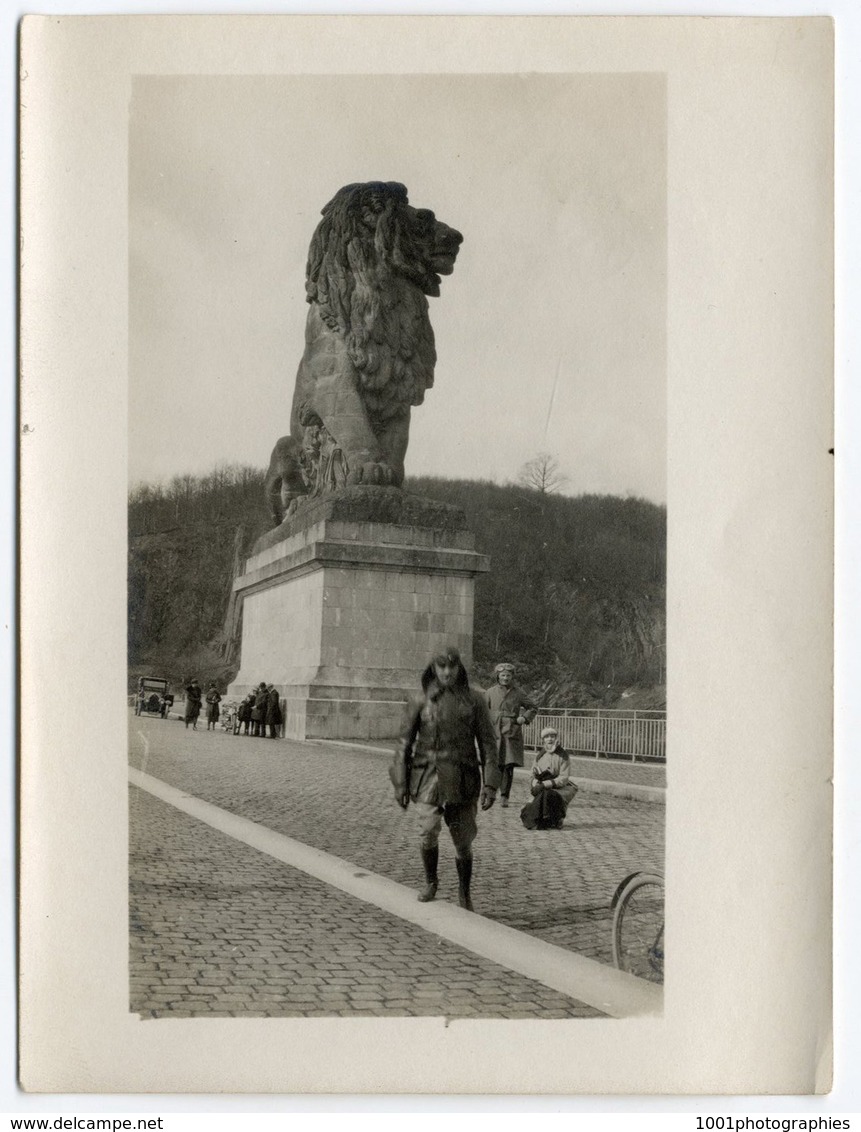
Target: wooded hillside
pixel 575 596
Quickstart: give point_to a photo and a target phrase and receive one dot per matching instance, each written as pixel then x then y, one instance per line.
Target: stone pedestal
pixel 343 606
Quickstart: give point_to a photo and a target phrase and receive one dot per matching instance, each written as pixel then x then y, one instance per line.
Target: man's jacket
pixel 445 745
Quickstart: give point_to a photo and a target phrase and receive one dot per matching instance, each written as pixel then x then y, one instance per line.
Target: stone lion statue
pixel 369 346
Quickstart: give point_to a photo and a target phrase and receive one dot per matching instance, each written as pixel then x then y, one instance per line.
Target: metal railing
pixel 603 733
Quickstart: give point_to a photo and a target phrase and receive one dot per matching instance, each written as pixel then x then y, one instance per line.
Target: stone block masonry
pixel 342 615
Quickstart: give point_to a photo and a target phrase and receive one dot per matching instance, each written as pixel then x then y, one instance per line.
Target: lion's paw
pixel 371 473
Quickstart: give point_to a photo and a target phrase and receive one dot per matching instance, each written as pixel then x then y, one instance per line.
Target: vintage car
pixel 153 696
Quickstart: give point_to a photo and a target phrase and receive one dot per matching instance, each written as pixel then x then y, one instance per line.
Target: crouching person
pixel 552 789
pixel 445 764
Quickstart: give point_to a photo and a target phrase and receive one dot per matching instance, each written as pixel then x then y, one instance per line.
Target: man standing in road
pixel 213 712
pixel 510 709
pixel 445 749
pixel 273 711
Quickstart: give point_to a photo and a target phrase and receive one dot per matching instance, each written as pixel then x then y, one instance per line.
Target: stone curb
pixel 633 790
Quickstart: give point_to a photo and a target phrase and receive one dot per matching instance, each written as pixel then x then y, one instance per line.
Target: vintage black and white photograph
pixel 436 624
pixel 397 447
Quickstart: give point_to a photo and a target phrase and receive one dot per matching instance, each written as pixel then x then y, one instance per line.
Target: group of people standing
pixel 457 748
pixel 194 700
pixel 551 787
pixel 260 709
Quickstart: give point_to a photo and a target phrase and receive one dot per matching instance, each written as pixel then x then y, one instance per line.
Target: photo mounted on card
pixel 441 404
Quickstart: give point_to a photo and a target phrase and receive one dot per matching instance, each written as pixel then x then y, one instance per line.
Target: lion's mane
pixel 369 270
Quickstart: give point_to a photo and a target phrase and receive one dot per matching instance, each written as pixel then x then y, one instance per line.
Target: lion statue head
pixel 369 353
pixel 373 260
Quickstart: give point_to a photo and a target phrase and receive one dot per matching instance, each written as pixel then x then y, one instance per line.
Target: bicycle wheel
pixel 638 927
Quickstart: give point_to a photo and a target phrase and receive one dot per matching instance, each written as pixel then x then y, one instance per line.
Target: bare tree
pixel 542 473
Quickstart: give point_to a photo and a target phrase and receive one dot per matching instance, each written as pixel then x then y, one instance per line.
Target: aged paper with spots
pixel 748 354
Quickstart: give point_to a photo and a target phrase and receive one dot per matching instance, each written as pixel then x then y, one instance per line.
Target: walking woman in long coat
pixel 510 709
pixel 213 712
pixel 193 700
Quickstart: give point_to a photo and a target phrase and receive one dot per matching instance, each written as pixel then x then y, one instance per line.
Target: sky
pixel 550 333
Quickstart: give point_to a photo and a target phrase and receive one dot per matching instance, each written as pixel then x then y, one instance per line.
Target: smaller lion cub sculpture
pixel 369 346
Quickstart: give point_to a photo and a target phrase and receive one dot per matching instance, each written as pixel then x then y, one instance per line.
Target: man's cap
pixel 548 731
pixel 504 667
pixel 448 655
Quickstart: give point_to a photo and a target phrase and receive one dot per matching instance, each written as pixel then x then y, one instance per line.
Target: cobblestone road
pixel 220 928
pixel 582 766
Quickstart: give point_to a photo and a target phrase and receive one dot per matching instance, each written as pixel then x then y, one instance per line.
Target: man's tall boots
pixel 430 860
pixel 464 876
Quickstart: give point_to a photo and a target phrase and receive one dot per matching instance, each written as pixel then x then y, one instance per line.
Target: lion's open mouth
pixel 446 246
pixel 443 266
pixel 443 261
